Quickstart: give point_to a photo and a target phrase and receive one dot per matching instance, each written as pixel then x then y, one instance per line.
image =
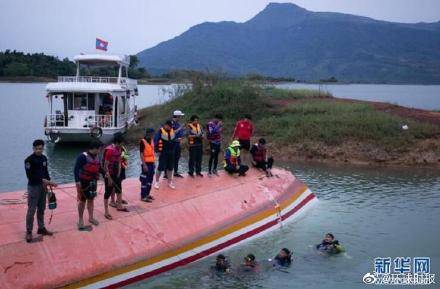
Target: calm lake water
pixel 373 212
pixel 416 96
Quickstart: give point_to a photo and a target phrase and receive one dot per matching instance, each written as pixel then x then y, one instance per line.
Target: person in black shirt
pixel 38 180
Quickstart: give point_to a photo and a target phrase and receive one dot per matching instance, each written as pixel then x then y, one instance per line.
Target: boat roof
pixel 97 59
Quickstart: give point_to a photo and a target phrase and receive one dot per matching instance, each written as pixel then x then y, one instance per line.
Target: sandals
pixel 82 227
pixel 113 205
pixel 108 217
pixel 123 209
pixel 94 222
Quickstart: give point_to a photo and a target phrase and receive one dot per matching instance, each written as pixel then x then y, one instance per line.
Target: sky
pixel 66 28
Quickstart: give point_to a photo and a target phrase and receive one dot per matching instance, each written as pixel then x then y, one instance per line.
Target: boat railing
pixel 58 120
pixel 95 79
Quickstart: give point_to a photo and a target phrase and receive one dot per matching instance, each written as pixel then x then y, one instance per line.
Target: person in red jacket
pixel 244 129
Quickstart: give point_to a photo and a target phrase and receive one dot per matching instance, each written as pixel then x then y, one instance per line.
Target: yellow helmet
pixel 235 143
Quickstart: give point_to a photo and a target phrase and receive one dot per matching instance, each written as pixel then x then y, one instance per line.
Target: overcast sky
pixel 65 28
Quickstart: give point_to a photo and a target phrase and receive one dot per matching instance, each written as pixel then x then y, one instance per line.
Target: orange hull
pixel 199 218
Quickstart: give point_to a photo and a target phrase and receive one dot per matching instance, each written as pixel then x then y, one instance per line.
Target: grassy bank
pixel 307 124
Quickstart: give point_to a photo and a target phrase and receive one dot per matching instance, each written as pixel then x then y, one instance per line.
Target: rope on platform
pixel 14 201
pixel 276 205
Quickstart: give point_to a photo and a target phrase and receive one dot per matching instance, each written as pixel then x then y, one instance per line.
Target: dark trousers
pixel 146 179
pixel 240 170
pixel 213 156
pixel 36 203
pixel 195 159
pixel 265 165
pixel 177 153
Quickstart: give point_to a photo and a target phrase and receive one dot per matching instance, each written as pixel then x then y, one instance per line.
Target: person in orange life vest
pixel 112 178
pixel 233 160
pixel 86 172
pixel 260 159
pixel 164 145
pixel 195 141
pixel 146 149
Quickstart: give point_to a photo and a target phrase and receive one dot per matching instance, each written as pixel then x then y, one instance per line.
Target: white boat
pixel 85 107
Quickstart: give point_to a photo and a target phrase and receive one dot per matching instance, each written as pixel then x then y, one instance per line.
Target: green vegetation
pixel 291 117
pixel 18 64
pixel 15 64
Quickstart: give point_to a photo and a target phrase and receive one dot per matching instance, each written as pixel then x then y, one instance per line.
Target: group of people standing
pixel 166 144
pixel 162 146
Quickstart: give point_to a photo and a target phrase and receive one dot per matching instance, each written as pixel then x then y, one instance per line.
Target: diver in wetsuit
pixel 330 245
pixel 221 264
pixel 250 264
pixel 283 259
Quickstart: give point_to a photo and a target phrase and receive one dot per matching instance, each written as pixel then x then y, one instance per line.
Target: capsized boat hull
pixel 200 218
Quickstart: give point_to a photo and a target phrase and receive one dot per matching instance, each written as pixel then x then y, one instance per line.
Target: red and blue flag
pixel 101 44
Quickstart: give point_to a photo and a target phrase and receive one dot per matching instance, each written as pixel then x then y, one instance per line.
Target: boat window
pixel 105 104
pixel 91 101
pixel 69 101
pixel 122 108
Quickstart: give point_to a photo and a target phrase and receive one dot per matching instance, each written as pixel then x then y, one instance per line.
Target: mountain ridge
pixel 286 40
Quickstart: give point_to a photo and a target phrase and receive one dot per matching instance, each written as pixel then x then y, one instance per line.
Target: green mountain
pixel 285 40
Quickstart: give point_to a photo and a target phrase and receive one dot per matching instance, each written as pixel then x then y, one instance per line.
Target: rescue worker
pixel 330 245
pixel 146 150
pixel 233 161
pixel 244 129
pixel 283 258
pixel 214 131
pixel 164 145
pixel 195 142
pixel 38 180
pixel 86 172
pixel 260 159
pixel 221 264
pixel 179 130
pixel 112 177
pixel 250 264
pixel 124 166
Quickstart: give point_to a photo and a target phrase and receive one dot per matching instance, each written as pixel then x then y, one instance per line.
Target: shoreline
pixel 302 125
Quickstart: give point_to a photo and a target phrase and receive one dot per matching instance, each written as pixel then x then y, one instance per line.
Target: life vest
pixel 148 151
pixel 235 154
pixel 113 156
pixel 165 136
pixel 195 133
pixel 90 171
pixel 124 158
pixel 259 154
pixel 213 132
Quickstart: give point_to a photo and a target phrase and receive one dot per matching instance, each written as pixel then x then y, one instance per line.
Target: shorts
pixel 245 144
pixel 115 187
pixel 166 162
pixel 88 190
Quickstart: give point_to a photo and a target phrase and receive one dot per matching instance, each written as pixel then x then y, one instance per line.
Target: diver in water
pixel 221 264
pixel 250 264
pixel 283 259
pixel 330 245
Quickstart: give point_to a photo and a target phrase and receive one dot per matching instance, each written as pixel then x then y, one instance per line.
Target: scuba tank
pixel 52 200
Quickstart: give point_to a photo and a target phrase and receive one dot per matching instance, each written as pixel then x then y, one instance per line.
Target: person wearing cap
pixel 146 150
pixel 260 160
pixel 179 131
pixel 195 141
pixel 232 162
pixel 164 144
